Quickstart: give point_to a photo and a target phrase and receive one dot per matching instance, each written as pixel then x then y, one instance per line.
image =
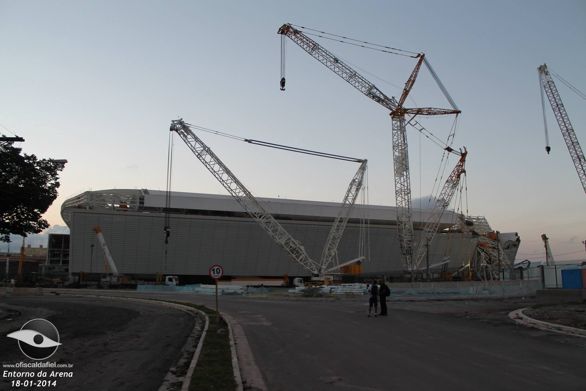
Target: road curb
pixel 195 358
pixel 249 372
pixel 235 363
pixel 519 317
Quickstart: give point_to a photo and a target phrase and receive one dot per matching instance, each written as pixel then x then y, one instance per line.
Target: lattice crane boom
pixel 338 66
pixel 329 253
pixel 243 196
pixel 441 204
pixel 564 123
pixel 549 261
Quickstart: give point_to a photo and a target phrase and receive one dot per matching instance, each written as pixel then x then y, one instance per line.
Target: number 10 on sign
pixel 216 272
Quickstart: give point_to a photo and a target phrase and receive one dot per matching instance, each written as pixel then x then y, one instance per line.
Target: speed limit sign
pixel 216 272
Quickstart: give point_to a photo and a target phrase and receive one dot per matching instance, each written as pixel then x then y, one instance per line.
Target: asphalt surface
pixel 321 344
pixel 112 344
pixel 332 344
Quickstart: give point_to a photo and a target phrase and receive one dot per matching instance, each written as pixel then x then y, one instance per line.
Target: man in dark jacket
pixel 383 293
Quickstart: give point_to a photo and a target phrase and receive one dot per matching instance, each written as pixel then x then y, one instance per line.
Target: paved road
pixel 316 344
pixel 112 344
pixel 331 345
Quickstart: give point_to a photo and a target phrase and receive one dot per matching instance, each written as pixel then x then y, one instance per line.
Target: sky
pixel 98 83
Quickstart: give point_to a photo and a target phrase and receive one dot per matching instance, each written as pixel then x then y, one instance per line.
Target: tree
pixel 28 186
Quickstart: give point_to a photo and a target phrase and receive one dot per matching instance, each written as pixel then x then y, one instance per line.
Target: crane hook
pixel 282 84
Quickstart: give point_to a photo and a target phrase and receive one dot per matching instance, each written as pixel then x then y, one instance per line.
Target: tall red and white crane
pixel 568 133
pixel 256 210
pixel 398 115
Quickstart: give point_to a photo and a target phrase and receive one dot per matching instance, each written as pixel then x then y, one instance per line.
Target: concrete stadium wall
pixel 136 241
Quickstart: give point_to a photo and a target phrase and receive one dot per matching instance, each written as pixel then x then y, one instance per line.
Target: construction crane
pixel 330 251
pixel 576 153
pixel 255 209
pixel 549 261
pixel 398 114
pixel 441 204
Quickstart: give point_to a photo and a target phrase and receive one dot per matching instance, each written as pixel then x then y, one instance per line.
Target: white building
pixel 208 229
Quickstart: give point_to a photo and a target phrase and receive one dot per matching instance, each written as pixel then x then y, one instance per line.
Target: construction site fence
pixel 549 276
pixel 453 290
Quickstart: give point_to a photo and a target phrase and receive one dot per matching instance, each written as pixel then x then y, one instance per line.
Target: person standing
pixel 383 292
pixel 373 299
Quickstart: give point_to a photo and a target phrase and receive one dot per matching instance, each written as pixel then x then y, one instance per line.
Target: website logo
pixel 38 339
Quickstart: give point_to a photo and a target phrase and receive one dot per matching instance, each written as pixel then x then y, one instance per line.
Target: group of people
pixel 379 291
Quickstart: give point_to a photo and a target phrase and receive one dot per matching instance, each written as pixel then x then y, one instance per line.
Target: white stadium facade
pixel 210 229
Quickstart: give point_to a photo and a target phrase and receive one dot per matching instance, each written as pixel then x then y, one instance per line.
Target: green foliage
pixel 28 186
pixel 214 367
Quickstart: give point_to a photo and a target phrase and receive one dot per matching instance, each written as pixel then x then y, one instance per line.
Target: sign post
pixel 216 272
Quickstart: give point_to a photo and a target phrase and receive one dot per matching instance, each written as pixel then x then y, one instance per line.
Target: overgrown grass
pixel 214 366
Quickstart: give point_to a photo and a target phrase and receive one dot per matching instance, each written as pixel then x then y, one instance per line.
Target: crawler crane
pixel 257 211
pixel 398 114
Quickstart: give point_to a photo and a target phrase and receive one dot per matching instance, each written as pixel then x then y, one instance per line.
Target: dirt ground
pixel 573 315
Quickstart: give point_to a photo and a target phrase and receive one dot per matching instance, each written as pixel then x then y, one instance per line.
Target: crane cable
pixel 364 226
pixel 283 46
pixel 436 189
pixel 569 85
pixel 547 147
pixel 278 146
pixel 466 192
pixel 303 151
pixel 440 84
pixel 359 43
pixel 167 218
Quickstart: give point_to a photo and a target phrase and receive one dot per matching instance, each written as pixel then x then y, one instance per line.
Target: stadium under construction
pixel 205 229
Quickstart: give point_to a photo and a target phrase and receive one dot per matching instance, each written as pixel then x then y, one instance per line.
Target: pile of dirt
pixel 573 315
